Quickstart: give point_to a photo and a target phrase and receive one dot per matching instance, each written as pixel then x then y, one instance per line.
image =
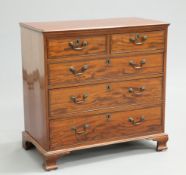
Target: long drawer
pixel 142 93
pixel 86 130
pixel 108 68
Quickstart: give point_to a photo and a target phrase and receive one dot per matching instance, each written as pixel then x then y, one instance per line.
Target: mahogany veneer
pixel 93 83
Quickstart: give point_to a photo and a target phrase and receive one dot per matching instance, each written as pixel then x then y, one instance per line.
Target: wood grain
pixel 59 46
pixel 35 112
pixel 53 154
pixel 121 42
pixel 99 69
pixel 161 142
pixel 99 112
pixel 164 79
pixel 101 128
pixel 100 97
pixel 57 26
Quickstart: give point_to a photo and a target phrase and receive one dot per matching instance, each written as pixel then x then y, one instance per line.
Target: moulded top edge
pixel 56 26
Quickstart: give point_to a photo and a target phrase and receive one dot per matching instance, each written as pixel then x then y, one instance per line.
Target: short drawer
pixel 143 92
pixel 131 42
pixel 59 46
pixel 109 126
pixel 79 72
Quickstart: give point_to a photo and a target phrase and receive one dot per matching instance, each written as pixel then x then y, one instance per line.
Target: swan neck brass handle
pixel 79 72
pixel 81 132
pixel 79 100
pixel 136 91
pixel 78 45
pixel 137 66
pixel 138 39
pixel 133 122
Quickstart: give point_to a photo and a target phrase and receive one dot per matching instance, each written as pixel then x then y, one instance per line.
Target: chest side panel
pixel 35 111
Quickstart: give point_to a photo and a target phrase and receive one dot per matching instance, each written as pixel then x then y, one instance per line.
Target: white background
pixel 128 158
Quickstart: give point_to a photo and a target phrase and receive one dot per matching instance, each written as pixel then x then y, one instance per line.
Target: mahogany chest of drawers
pixel 93 83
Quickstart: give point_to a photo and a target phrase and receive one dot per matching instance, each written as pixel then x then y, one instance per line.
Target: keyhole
pixel 108 87
pixel 77 41
pixel 108 116
pixel 137 36
pixel 108 61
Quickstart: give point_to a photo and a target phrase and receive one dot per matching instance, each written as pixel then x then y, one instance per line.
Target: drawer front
pixel 141 92
pixel 131 42
pixel 59 47
pixel 95 129
pixel 78 72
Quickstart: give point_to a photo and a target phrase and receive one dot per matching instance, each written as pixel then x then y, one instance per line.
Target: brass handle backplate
pixel 137 66
pixel 79 72
pixel 81 132
pixel 133 122
pixel 136 91
pixel 79 100
pixel 138 39
pixel 78 45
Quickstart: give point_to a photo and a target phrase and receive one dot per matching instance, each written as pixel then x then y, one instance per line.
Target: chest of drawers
pixel 93 83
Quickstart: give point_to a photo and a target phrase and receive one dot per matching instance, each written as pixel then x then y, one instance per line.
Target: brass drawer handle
pixel 78 100
pixel 78 45
pixel 137 66
pixel 82 132
pixel 138 39
pixel 79 72
pixel 133 122
pixel 136 91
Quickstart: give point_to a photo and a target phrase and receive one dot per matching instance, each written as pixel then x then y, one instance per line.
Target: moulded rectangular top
pixel 56 26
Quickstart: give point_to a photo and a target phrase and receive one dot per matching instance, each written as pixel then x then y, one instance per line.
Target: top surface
pixel 56 26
